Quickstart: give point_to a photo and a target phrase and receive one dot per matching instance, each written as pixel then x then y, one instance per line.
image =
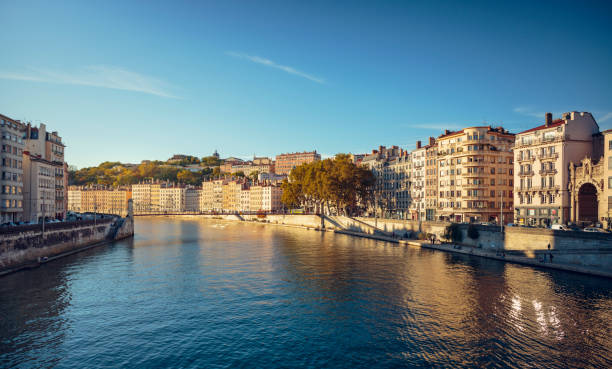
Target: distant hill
pixel 187 169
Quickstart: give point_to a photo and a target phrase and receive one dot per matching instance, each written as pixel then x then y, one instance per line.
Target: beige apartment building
pixel 256 198
pixel 99 199
pixel 231 195
pixel 45 192
pixel 475 175
pixel 547 157
pixel 286 162
pixel 431 179
pixel 147 197
pixel 11 162
pixel 212 195
pixel 172 199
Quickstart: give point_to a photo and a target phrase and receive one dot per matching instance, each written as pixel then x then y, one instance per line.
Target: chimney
pixel 418 144
pixel 446 131
pixel 548 120
pixel 432 141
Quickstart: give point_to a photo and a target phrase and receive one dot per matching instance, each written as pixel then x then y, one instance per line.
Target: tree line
pixel 117 174
pixel 332 186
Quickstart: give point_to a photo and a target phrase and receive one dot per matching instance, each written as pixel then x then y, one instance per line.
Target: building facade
pixel 45 190
pixel 417 187
pixel 286 162
pixel 11 161
pixel 543 155
pixel 475 175
pixel 431 179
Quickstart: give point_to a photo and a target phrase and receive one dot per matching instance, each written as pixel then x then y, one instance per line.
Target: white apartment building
pixel 141 197
pixel 245 200
pixel 542 157
pixel 271 199
pixel 75 199
pixel 400 175
pixel 172 199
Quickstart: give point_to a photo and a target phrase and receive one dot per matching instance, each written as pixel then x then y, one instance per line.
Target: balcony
pixel 530 159
pixel 548 156
pixel 525 173
pixel 472 185
pixel 548 171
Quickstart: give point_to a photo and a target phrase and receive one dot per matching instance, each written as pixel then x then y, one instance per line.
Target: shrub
pixel 453 233
pixel 472 232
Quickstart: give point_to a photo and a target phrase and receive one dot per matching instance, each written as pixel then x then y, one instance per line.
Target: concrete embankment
pixel 28 246
pixel 582 252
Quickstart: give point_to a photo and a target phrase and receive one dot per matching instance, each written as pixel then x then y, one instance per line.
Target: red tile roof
pixel 555 123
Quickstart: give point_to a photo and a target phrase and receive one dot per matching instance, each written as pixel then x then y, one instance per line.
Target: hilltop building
pixel 286 162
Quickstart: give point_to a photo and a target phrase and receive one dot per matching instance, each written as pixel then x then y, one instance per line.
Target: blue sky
pixel 134 80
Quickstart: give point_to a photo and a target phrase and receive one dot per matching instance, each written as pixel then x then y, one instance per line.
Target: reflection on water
pixel 203 293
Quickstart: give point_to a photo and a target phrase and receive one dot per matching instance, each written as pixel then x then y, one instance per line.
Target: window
pixel 609 182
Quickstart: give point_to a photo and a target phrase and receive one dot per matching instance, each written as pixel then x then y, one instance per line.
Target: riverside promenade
pixel 27 247
pixel 580 252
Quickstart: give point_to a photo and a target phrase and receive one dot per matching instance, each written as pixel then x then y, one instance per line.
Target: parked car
pixel 594 230
pixel 559 227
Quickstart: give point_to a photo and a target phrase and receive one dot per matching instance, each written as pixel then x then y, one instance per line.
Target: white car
pixel 594 230
pixel 559 227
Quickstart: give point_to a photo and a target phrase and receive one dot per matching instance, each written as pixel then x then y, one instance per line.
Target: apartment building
pixel 212 195
pixel 256 198
pixel 475 175
pixel 75 199
pixel 192 199
pixel 147 197
pixel 399 170
pixel 245 200
pixel 271 199
pixel 286 162
pixel 141 193
pixel 546 157
pixel 231 195
pixel 384 192
pixel 44 169
pixel 11 161
pixel 417 179
pixel 431 179
pixel 172 199
pixel 99 199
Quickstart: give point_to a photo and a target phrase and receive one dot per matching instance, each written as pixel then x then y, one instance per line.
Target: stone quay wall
pixel 28 245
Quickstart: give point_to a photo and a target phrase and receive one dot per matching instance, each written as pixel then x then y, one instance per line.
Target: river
pixel 191 293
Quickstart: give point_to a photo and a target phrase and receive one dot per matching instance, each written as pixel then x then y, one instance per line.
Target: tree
pixel 211 161
pixel 332 183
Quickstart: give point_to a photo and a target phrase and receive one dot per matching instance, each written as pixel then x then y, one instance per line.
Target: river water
pixel 214 294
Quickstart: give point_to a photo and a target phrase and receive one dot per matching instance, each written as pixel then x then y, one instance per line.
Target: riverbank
pixel 577 252
pixel 29 247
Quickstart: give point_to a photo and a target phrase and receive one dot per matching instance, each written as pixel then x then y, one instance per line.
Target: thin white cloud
pixel 528 112
pixel 97 76
pixel 606 117
pixel 436 126
pixel 270 63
